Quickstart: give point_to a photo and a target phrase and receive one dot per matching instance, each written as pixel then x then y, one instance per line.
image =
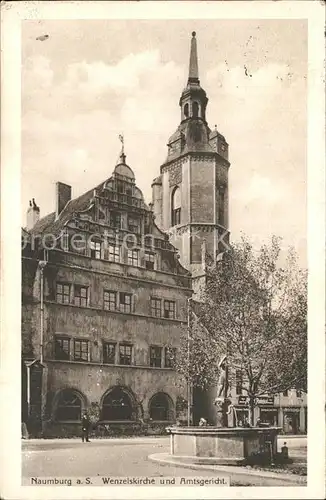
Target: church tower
pixel 190 197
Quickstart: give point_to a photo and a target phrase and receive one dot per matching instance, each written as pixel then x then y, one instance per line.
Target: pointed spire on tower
pixel 193 62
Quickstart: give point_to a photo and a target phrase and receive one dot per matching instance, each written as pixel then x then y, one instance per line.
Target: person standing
pixel 85 427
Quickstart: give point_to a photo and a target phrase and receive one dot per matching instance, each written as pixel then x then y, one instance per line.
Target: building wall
pixel 93 379
pixel 202 196
pixel 53 335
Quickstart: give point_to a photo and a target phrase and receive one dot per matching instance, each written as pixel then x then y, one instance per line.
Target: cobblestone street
pixel 119 457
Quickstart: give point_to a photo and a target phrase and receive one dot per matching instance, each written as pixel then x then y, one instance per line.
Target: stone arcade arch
pixel 161 407
pixel 118 404
pixel 68 405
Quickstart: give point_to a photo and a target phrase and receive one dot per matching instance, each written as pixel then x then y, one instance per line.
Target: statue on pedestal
pixel 222 401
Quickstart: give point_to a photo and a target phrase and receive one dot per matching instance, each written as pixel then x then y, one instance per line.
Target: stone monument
pixel 222 400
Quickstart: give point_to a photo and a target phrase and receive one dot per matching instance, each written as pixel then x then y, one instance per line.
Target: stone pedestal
pixel 224 446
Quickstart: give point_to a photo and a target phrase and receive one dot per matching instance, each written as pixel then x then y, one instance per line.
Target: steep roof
pixel 53 225
pixel 43 224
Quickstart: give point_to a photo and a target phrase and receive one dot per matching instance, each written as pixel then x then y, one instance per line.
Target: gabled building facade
pixel 103 305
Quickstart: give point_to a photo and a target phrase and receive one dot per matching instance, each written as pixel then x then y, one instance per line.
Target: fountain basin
pixel 224 445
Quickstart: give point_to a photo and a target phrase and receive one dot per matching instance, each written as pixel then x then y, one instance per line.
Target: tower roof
pixel 193 61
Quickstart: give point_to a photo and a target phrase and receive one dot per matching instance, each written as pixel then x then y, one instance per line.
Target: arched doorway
pixel 117 405
pixel 161 407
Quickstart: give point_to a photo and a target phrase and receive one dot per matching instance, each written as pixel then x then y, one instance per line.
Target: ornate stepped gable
pixel 114 209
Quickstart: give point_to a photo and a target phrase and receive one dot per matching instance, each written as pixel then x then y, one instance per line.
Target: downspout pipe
pixel 42 265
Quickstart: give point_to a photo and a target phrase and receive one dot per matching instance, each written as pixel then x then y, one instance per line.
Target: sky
pixel 90 81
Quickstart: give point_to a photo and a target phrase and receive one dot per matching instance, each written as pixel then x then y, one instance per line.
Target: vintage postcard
pixel 162 238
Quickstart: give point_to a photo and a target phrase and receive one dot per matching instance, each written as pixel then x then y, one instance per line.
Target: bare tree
pixel 255 311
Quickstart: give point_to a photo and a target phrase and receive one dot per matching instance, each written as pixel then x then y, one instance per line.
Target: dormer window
pixel 115 220
pixel 120 187
pixel 95 247
pixel 149 260
pixel 176 206
pixel 134 225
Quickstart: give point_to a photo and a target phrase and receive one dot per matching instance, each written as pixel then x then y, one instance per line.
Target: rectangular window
pixel 77 243
pixel 125 302
pixel 116 220
pixel 80 295
pixel 95 249
pixel 114 253
pixel 125 353
pixel 155 356
pixel 286 393
pixel 156 307
pixel 109 353
pixel 176 216
pixel 63 293
pixel 299 393
pixel 62 348
pixel 81 350
pixel 149 260
pixel 110 300
pixel 169 309
pixel 134 225
pixel 169 357
pixel 133 257
pixel 238 382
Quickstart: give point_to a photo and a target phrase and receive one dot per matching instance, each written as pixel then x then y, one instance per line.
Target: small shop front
pixel 291 420
pixel 241 411
pixel 240 415
pixel 268 415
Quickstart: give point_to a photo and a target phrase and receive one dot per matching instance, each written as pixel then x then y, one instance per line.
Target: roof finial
pixel 193 63
pixel 121 138
pixel 122 154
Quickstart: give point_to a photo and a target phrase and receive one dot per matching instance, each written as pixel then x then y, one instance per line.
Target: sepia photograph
pixel 164 253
